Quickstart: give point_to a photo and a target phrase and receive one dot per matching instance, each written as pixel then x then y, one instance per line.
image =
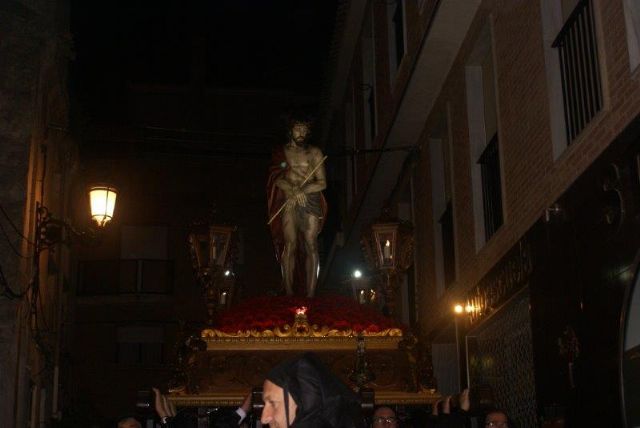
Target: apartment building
pixel 506 132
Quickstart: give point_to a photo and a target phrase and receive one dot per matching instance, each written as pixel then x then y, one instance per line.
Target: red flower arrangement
pixel 336 312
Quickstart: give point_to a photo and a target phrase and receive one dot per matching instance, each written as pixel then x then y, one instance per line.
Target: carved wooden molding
pixel 235 398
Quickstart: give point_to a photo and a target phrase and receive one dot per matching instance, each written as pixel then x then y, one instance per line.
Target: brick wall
pixel 532 180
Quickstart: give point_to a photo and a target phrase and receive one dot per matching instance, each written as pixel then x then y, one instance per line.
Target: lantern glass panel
pixel 200 246
pixel 224 295
pixel 218 245
pixel 102 200
pixel 386 248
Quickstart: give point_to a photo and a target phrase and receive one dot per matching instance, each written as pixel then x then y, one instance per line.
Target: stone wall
pixel 32 92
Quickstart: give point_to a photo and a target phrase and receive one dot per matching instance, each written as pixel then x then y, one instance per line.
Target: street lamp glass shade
pixel 103 202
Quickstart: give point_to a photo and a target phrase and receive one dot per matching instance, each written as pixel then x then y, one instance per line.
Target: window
pixel 572 68
pixel 134 276
pixel 143 242
pixel 483 138
pixel 350 147
pixel 408 293
pixel 140 345
pixel 369 81
pixel 142 269
pixel 579 67
pixel 442 206
pixel 632 24
pixel 448 248
pixel 491 188
pixel 397 38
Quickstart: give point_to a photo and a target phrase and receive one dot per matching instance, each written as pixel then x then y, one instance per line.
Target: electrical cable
pixel 10 244
pixel 13 225
pixel 8 291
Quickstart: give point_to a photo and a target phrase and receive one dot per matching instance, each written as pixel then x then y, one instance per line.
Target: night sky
pixel 251 44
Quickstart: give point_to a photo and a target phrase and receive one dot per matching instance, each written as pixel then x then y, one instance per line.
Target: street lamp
pixel 212 250
pixel 50 230
pixel 388 247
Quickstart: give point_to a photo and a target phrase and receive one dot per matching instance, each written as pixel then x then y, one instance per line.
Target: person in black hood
pixel 303 393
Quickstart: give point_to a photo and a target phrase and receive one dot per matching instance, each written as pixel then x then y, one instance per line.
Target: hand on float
pixel 446 406
pixel 434 408
pixel 465 403
pixel 246 404
pixel 163 407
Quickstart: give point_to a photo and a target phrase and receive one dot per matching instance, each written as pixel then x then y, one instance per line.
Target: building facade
pixel 506 133
pixel 38 164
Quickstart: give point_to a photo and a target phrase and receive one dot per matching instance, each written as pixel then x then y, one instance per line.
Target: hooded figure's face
pixel 273 413
pixel 321 400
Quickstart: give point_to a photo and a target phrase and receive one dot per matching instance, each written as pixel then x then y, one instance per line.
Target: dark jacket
pixel 224 418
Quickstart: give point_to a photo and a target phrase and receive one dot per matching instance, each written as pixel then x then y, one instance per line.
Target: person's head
pixel 496 419
pixel 303 393
pixel 277 410
pixel 299 130
pixel 129 422
pixel 384 417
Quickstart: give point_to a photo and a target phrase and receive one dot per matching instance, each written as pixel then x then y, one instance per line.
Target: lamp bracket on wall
pixel 51 231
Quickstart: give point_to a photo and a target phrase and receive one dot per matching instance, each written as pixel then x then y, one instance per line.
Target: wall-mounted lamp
pixel 50 231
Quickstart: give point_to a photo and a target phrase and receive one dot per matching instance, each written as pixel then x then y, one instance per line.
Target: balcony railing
pixel 491 187
pixel 113 277
pixel 581 86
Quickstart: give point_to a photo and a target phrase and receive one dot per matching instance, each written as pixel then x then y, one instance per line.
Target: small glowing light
pixel 357 274
pixel 469 308
pixel 386 252
pixel 227 272
pixel 301 310
pixel 458 309
pixel 362 297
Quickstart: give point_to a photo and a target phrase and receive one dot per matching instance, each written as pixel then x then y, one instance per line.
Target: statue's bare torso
pixel 302 183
